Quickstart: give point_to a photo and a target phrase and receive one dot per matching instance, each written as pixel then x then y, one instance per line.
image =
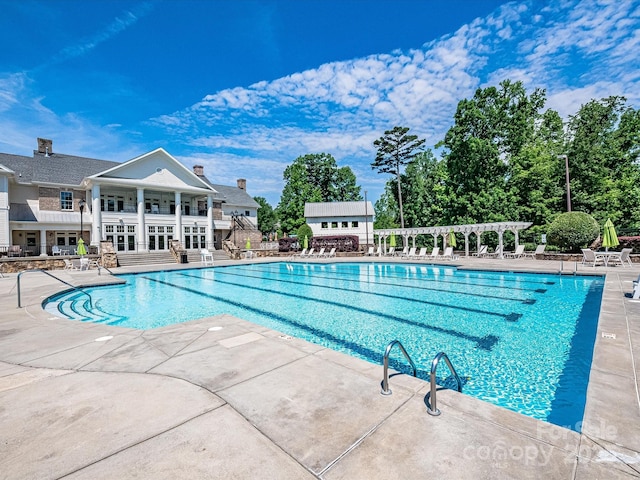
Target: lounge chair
pixel 422 253
pixel 206 256
pixel 538 251
pixel 589 256
pixel 516 254
pixel 434 253
pixel 320 253
pixel 303 253
pixel 481 252
pixel 496 253
pixel 332 253
pixel 448 254
pixel 309 254
pixel 411 253
pixel 403 253
pixel 369 252
pixel 624 257
pixel 391 252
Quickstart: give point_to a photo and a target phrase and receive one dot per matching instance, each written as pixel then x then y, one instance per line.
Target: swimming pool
pixel 521 341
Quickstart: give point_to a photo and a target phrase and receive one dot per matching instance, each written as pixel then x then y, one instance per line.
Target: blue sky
pixel 245 87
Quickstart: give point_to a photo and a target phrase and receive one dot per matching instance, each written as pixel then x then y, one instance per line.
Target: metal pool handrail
pixel 433 408
pixel 52 276
pixel 385 361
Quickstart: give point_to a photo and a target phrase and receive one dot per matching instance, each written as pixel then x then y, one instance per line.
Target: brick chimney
pixel 198 170
pixel 45 146
pixel 242 184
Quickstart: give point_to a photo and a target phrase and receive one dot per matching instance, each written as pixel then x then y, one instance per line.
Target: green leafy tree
pixel 603 160
pixel 313 178
pixel 423 184
pixel 267 218
pixel 489 130
pixel 395 149
pixel 386 209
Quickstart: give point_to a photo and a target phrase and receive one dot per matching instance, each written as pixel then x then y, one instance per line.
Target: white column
pixel 141 233
pixel 501 243
pixel 466 244
pixel 43 240
pixel 178 233
pixel 210 244
pixel 96 216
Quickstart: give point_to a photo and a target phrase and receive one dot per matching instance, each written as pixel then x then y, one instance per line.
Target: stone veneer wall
pixel 15 265
pixel 49 198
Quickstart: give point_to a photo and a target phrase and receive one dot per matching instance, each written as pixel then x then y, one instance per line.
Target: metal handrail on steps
pixel 433 408
pixel 385 362
pixel 52 276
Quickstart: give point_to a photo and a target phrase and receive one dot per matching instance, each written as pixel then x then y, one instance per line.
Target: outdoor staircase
pixel 162 257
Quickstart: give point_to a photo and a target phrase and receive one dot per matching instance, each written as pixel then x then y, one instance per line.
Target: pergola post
pixel 466 243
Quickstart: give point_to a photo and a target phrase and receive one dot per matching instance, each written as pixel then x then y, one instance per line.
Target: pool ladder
pixel 432 408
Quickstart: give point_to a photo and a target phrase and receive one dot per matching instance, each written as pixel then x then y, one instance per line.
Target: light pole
pixel 81 205
pixel 566 167
pixel 366 220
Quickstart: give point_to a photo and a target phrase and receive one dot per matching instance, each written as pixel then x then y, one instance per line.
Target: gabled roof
pixel 338 209
pixel 236 196
pixel 156 168
pixel 55 168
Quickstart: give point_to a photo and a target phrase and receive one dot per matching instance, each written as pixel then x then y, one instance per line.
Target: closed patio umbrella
pixel 248 244
pixel 82 249
pixel 392 240
pixel 305 243
pixel 609 236
pixel 452 239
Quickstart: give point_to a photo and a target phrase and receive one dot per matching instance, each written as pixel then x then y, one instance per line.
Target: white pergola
pixel 476 228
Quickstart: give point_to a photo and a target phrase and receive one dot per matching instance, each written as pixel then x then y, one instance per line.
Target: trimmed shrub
pixel 305 230
pixel 573 230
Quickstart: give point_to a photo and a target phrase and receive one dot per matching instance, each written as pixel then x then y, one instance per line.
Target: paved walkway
pixel 224 398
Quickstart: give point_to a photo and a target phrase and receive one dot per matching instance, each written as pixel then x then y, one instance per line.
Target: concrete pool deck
pixel 220 397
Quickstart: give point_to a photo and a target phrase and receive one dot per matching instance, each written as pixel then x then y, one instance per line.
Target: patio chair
pixel 482 251
pixel 411 253
pixel 55 250
pixel 538 251
pixel 448 254
pixel 369 252
pixel 434 253
pixel 303 253
pixel 332 253
pixel 14 251
pixel 320 253
pixel 403 253
pixel 68 265
pixel 84 264
pixel 516 254
pixel 391 252
pixel 206 256
pixel 624 258
pixel 496 252
pixel 589 256
pixel 422 253
pixel 309 254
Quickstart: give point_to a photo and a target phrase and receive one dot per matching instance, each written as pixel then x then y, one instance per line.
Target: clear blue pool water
pixel 521 341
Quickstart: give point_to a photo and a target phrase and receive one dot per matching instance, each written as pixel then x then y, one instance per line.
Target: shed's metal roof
pixel 338 209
